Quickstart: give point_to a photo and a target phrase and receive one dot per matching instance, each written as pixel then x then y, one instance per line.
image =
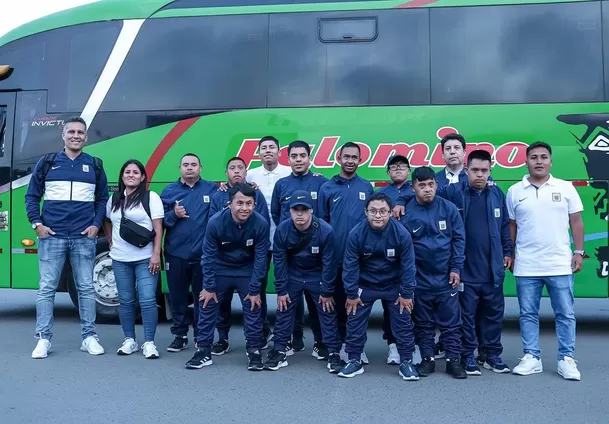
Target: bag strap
pixel 47 162
pixel 306 239
pixel 145 203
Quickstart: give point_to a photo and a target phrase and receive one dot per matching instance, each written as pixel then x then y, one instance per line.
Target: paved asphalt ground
pixel 72 387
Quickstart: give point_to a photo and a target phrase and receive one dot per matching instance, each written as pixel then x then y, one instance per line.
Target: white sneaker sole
pixel 84 349
pixel 393 361
pixel 533 371
pixel 358 372
pixel 41 356
pixel 281 364
pixel 570 378
pixel 411 378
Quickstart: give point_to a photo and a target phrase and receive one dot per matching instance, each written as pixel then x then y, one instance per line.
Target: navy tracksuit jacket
pixel 443 181
pixel 234 258
pixel 220 199
pixel 74 198
pixel 439 244
pixel 183 247
pixel 310 269
pixel 395 193
pixel 342 204
pixel 379 265
pixel 488 242
pixel 280 203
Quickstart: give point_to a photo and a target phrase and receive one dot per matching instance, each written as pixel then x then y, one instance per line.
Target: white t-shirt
pixel 123 251
pixel 543 244
pixel 266 180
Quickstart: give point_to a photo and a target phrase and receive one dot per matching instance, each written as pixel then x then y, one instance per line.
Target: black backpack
pixel 48 161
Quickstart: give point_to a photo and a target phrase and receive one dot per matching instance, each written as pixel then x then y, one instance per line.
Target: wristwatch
pixel 578 252
pixel 36 224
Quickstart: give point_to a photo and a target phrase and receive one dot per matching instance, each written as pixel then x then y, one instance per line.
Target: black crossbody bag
pixel 133 233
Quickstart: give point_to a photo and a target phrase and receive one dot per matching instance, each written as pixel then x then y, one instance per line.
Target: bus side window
pixel 517 54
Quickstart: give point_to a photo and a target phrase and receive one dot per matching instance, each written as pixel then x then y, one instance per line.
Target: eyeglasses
pixel 398 167
pixel 382 212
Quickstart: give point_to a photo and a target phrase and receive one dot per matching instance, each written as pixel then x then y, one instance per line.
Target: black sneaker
pixel 334 363
pixel 220 347
pixel 481 357
pixel 408 371
pixel 353 368
pixel 470 366
pixel 298 344
pixel 255 361
pixel 275 360
pixel 201 358
pixel 426 367
pixel 496 364
pixel 320 351
pixel 454 369
pixel 178 344
pixel 266 339
pixel 440 351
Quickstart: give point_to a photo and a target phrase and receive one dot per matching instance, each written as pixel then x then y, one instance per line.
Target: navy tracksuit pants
pixel 208 317
pixel 441 310
pixel 340 298
pixel 482 308
pixel 225 314
pixel 284 323
pixel 401 324
pixel 387 333
pixel 182 275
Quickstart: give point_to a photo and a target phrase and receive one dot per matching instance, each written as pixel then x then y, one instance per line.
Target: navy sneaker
pixel 220 347
pixel 275 360
pixel 426 367
pixel 255 361
pixel 454 369
pixel 496 364
pixel 201 358
pixel 408 372
pixel 470 366
pixel 481 357
pixel 178 344
pixel 334 363
pixel 353 368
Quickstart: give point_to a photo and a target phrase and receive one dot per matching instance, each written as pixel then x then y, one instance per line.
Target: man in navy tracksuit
pixel 342 204
pixel 186 202
pixel 439 244
pixel 236 172
pixel 234 258
pixel 301 178
pixel 398 169
pixel 488 252
pixel 303 255
pixel 379 264
pixel 74 190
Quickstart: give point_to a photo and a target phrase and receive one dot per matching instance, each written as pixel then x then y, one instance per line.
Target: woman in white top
pixel 136 260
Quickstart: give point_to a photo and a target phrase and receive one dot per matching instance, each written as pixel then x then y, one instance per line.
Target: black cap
pixel 397 158
pixel 301 198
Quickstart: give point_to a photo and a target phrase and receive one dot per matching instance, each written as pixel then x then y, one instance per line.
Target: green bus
pixel 157 78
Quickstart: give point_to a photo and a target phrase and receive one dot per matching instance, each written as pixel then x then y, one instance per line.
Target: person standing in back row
pixel 342 204
pixel 265 178
pixel 301 178
pixel 75 191
pixel 542 209
pixel 439 244
pixel 186 203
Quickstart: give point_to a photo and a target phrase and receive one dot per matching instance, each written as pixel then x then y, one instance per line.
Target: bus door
pixel 7 119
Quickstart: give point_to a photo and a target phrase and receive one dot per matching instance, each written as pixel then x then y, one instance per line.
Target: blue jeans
pixel 127 275
pixel 560 289
pixel 52 253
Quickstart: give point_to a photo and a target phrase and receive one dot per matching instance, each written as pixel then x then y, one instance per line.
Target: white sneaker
pixel 129 346
pixel 42 349
pixel 568 369
pixel 149 350
pixel 91 345
pixel 393 357
pixel 364 359
pixel 343 355
pixel 528 365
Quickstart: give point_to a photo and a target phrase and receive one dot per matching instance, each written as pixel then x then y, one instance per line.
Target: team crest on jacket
pixel 314 195
pixel 390 253
pixel 442 225
pixel 314 249
pixel 85 168
pixel 206 199
pixel 556 197
pixel 497 213
pixel 362 195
